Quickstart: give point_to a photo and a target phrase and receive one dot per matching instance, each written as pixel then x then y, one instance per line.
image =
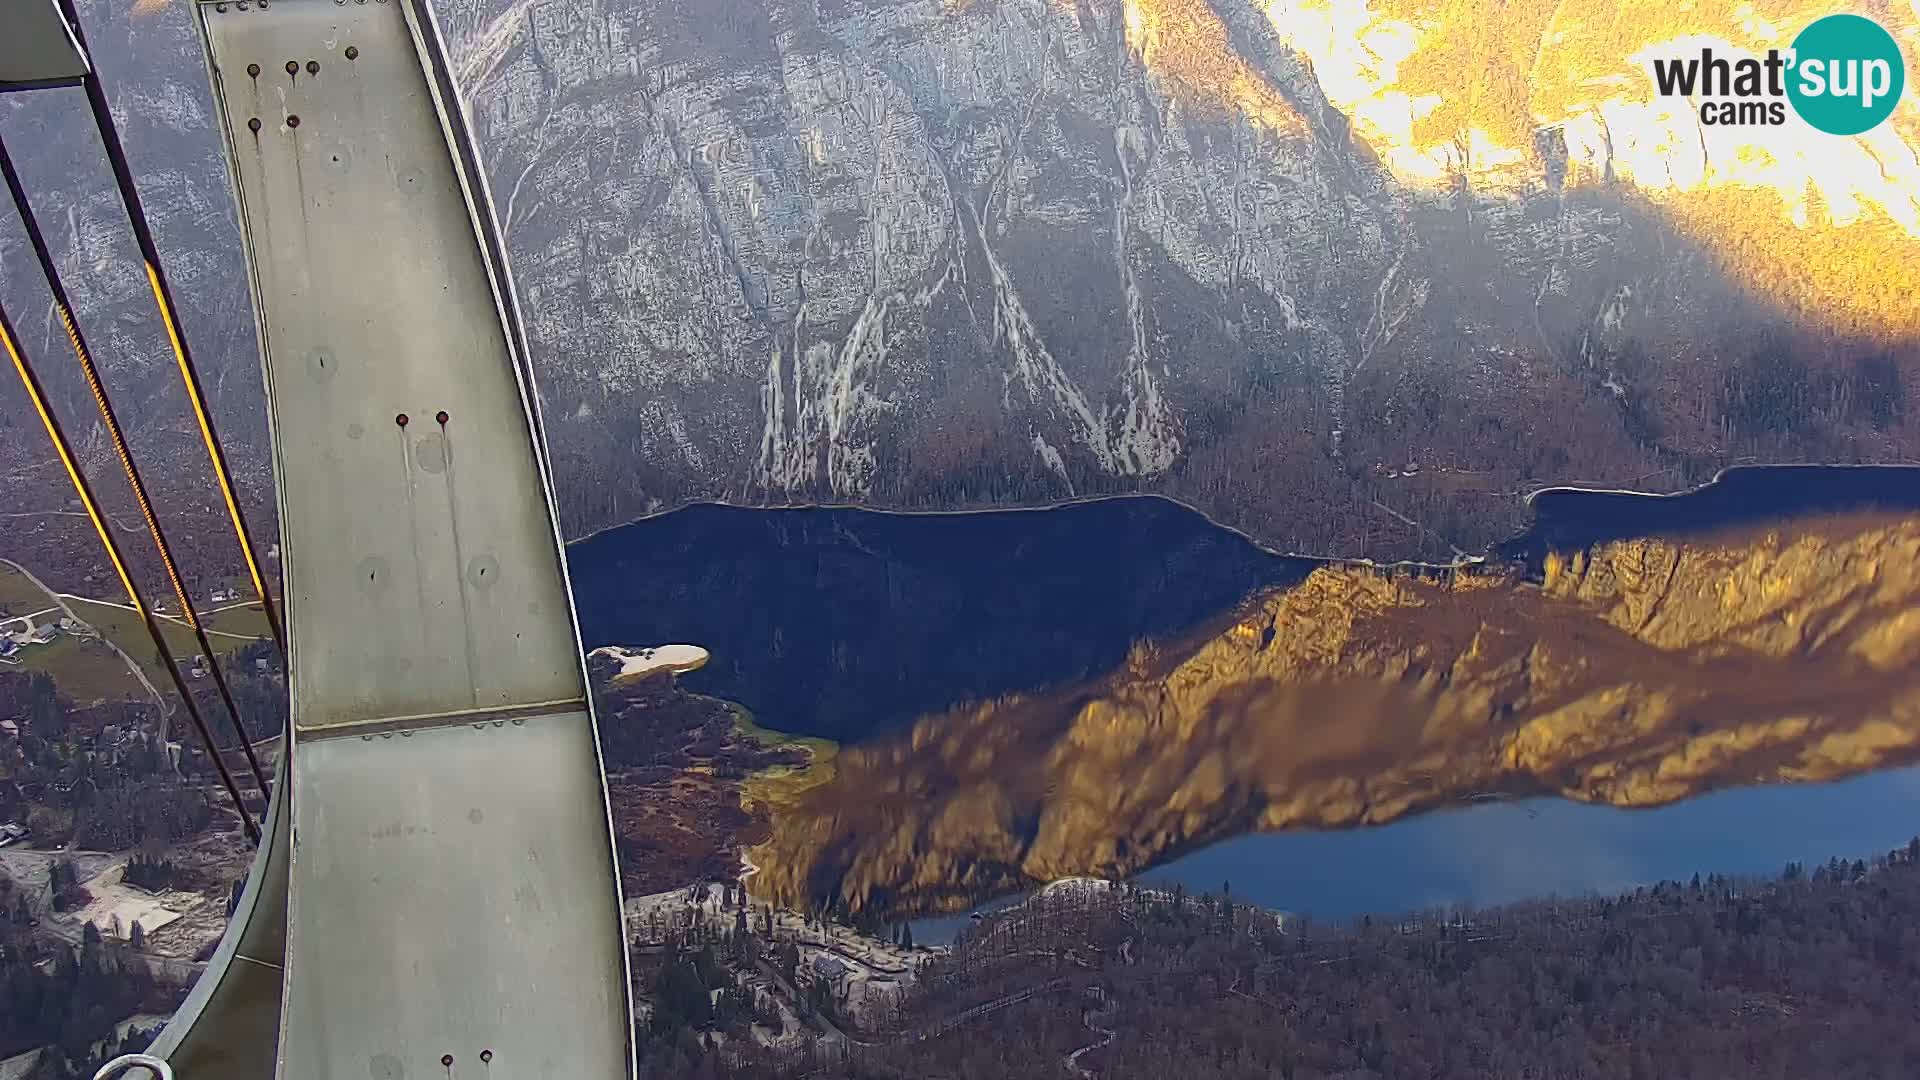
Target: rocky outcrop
pixel 1632 672
pixel 926 254
pixel 1345 276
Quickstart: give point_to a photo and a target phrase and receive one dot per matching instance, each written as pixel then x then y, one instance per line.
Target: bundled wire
pixel 65 450
pixel 64 306
pixel 169 314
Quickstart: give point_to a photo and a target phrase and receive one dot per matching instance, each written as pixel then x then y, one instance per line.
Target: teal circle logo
pixel 1847 74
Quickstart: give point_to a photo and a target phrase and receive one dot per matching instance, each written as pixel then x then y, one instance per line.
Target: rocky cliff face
pixel 1344 275
pixel 862 250
pixel 155 70
pixel 927 253
pixel 1634 672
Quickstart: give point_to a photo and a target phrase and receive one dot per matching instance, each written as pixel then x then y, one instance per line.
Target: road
pixel 164 704
pixel 925 1031
pixel 793 994
pixel 117 523
pixel 60 602
pixel 1073 1059
pixel 175 619
pixel 984 1009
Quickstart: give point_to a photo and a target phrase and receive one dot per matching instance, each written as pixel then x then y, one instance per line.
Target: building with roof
pixel 831 970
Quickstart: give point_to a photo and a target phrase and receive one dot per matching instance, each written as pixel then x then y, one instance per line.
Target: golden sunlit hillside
pixel 1185 40
pixel 1635 672
pixel 1826 226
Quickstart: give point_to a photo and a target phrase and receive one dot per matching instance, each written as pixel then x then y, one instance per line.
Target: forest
pixel 97 773
pixel 97 776
pixel 68 999
pixel 1813 973
pixel 674 765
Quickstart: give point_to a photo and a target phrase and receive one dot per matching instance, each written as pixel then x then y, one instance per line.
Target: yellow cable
pixel 126 463
pixel 73 470
pixel 206 436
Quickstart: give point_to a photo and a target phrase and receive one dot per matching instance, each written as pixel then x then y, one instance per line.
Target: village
pixel 20 633
pixel 819 977
pixel 159 901
pixel 118 858
pixel 713 967
pixel 26 635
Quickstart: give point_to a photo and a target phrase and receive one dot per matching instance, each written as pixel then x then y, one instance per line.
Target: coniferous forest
pixel 1813 974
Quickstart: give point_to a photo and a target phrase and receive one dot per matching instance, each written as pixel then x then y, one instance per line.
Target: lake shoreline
pixel 1908 471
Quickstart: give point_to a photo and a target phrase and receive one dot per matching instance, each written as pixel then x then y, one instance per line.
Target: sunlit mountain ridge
pixel 1484 93
pixel 1628 672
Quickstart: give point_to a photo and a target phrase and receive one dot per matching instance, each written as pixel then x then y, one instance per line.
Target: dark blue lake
pixel 847 624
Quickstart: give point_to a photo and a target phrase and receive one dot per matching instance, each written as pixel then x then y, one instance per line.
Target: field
pixel 18 596
pixel 777 787
pixel 83 670
pixel 229 628
pixel 240 620
pixel 90 671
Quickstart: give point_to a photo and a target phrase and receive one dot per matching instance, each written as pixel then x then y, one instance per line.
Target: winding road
pixel 1073 1060
pixel 59 600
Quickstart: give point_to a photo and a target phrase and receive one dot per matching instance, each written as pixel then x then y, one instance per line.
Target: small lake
pixel 1497 853
pixel 1501 852
pixel 846 624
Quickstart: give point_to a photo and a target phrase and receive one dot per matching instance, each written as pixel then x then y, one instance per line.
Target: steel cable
pixel 65 451
pixel 169 314
pixel 117 437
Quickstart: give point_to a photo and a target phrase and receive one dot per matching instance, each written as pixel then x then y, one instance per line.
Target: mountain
pixel 1347 275
pixel 1634 671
